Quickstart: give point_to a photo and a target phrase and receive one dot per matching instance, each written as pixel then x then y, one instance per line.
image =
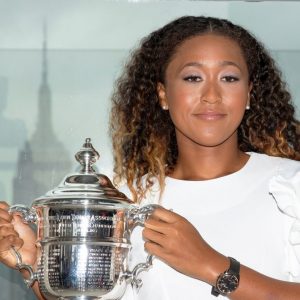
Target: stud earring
pixel 165 107
pixel 248 102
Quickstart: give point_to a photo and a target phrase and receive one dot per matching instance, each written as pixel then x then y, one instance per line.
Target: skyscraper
pixel 44 161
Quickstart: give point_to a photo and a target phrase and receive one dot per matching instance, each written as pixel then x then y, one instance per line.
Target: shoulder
pixel 284 187
pixel 284 180
pixel 277 165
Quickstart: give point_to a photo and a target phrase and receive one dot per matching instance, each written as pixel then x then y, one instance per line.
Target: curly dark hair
pixel 143 134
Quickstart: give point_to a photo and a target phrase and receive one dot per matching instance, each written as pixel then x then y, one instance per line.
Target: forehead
pixel 209 47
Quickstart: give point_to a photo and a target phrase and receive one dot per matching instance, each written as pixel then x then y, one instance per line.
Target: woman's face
pixel 206 90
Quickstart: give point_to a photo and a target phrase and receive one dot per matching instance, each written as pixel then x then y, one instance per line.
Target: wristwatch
pixel 228 281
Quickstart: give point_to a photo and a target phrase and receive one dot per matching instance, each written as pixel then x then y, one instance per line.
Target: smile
pixel 210 116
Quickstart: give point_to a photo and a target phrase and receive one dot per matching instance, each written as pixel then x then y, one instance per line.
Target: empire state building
pixel 44 161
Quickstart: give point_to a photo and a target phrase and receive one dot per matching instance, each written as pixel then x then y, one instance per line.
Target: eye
pixel 230 78
pixel 192 78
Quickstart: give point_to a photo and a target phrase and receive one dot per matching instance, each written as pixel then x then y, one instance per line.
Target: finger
pixel 4 214
pixel 5 223
pixel 9 242
pixel 153 248
pixel 4 205
pixel 157 225
pixel 7 230
pixel 17 219
pixel 165 215
pixel 153 236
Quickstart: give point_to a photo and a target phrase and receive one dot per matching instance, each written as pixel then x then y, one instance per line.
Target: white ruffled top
pixel 252 215
pixel 285 188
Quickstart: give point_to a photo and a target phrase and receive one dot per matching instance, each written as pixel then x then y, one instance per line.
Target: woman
pixel 197 103
pixel 202 124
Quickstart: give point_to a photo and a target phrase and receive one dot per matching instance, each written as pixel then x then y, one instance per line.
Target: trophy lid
pixel 85 186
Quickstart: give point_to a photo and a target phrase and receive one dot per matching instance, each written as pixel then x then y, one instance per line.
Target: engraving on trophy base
pixel 85 269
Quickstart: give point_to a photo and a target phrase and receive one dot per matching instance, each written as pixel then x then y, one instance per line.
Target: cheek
pixel 179 103
pixel 236 99
pixel 181 98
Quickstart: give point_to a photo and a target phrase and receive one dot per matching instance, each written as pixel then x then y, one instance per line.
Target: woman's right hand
pixel 14 233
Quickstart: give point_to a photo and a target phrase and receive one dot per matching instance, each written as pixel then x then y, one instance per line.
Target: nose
pixel 211 93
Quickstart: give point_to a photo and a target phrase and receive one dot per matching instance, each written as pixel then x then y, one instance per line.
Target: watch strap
pixel 234 266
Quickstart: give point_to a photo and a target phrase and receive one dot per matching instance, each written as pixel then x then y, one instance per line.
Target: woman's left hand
pixel 176 241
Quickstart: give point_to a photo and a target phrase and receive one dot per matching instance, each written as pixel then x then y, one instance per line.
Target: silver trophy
pixel 83 235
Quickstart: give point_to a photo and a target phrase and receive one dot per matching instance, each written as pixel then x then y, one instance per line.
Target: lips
pixel 210 115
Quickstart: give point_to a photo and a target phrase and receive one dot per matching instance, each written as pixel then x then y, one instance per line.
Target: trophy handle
pixel 20 266
pixel 138 216
pixel 132 277
pixel 28 216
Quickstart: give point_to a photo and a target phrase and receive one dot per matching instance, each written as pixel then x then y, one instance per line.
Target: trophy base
pixel 80 270
pixel 86 298
pixel 115 293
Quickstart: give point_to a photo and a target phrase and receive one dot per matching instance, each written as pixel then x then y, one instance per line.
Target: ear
pixel 161 91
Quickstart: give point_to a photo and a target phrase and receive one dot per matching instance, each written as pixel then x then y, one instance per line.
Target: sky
pixel 107 24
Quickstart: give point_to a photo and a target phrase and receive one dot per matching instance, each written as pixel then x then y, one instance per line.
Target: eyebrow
pixel 221 63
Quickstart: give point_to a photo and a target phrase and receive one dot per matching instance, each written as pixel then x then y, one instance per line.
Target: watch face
pixel 227 283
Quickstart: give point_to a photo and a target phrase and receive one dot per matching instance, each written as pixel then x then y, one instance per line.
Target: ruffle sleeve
pixel 285 189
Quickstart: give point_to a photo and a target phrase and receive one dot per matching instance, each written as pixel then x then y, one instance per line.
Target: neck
pixel 203 163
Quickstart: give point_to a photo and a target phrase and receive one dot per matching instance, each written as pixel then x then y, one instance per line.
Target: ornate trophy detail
pixel 83 232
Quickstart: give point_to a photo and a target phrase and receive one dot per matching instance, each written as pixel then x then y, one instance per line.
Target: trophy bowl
pixel 83 236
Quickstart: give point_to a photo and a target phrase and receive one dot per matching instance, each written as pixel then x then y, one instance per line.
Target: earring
pixel 165 107
pixel 248 102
